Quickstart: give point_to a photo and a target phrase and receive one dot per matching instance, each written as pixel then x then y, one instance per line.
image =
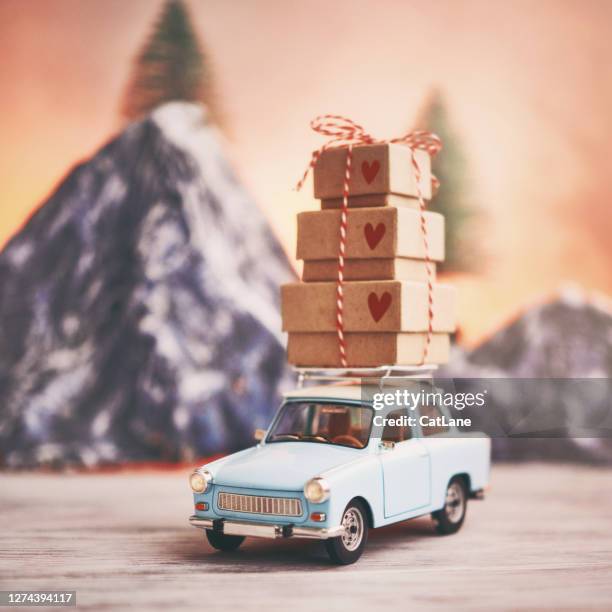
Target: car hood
pixel 280 465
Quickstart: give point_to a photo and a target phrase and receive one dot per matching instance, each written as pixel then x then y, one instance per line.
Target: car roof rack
pixel 355 375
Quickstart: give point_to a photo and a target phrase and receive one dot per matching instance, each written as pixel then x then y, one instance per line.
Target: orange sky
pixel 527 84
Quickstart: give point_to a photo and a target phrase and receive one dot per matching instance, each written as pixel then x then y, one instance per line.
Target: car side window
pixel 394 432
pixel 430 414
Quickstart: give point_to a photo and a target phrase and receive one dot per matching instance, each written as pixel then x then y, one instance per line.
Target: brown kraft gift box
pixel 372 200
pixel 369 306
pixel 366 349
pixel 377 168
pixel 368 269
pixel 383 233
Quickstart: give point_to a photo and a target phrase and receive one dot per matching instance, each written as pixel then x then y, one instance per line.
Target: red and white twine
pixel 346 133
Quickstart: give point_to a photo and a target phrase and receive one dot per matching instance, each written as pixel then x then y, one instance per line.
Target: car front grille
pixel 257 504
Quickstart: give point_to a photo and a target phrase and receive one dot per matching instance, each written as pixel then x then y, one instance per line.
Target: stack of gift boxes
pixel 386 318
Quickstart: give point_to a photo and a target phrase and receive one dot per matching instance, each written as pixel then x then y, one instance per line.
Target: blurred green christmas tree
pixel 170 66
pixel 453 199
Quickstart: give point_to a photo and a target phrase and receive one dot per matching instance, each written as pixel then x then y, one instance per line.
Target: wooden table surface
pixel 541 539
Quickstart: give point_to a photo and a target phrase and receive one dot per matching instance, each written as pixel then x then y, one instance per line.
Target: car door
pixel 442 447
pixel 405 466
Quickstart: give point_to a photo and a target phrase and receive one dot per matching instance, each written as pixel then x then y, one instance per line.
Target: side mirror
pixel 387 445
pixel 259 434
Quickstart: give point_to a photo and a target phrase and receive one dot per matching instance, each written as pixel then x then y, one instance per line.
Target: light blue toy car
pixel 330 467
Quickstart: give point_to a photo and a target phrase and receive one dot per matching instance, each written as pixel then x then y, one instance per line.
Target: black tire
pixel 450 518
pixel 220 541
pixel 346 549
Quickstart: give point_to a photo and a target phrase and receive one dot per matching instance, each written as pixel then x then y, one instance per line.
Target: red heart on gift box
pixel 370 171
pixel 373 234
pixel 378 306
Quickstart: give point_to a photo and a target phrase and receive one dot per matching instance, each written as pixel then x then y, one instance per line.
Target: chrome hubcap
pixel 455 503
pixel 352 521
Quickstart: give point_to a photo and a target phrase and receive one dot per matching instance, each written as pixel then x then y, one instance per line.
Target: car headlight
pixel 200 480
pixel 316 490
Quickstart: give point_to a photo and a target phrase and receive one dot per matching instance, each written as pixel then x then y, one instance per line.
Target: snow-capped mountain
pixel 139 316
pixel 569 336
pixel 139 306
pixel 555 360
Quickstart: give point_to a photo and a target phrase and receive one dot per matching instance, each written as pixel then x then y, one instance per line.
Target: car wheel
pixel 220 541
pixel 450 518
pixel 347 548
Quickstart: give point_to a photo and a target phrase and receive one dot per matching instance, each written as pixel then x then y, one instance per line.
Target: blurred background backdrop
pixel 138 289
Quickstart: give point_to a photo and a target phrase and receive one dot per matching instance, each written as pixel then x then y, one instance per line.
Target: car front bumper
pixel 266 530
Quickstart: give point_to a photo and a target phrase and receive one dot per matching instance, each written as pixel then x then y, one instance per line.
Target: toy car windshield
pixel 340 424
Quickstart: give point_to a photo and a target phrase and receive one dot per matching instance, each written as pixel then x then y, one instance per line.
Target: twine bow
pixel 345 132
